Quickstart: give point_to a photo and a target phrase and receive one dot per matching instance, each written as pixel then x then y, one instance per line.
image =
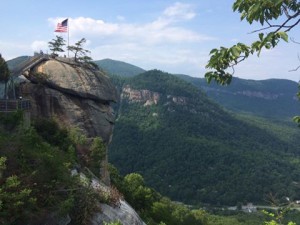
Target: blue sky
pixel 173 36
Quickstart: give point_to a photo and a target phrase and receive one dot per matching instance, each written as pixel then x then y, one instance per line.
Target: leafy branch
pixel 260 11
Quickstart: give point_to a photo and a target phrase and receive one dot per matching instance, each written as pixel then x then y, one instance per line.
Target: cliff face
pixel 148 97
pixel 74 94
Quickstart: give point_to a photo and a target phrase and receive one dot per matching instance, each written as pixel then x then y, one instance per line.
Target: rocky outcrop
pixel 124 212
pixel 77 95
pixel 119 211
pixel 148 97
pixel 145 96
pixel 74 94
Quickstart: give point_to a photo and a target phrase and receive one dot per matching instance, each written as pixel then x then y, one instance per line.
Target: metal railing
pixel 14 105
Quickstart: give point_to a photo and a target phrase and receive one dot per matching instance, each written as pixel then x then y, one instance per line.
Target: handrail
pixel 28 64
pixel 14 105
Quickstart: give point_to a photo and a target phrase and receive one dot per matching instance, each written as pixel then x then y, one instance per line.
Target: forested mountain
pixel 118 67
pixel 273 98
pixel 190 149
pixel 16 61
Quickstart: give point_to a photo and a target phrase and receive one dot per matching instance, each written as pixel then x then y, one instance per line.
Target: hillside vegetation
pixel 273 98
pixel 35 173
pixel 114 67
pixel 196 152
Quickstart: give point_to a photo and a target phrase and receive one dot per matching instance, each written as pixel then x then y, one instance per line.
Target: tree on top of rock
pixel 56 45
pixel 4 73
pixel 79 51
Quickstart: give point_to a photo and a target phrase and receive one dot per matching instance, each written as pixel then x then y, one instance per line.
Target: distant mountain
pixel 273 98
pixel 190 149
pixel 16 61
pixel 120 68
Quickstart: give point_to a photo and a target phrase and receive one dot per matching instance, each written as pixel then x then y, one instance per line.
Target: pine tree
pixel 4 73
pixel 79 51
pixel 56 45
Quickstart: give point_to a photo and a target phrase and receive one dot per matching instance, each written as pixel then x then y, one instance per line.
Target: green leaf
pixel 213 51
pixel 261 36
pixel 235 51
pixel 284 36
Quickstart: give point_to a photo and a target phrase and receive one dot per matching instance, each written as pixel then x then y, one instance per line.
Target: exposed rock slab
pixel 123 213
pixel 74 79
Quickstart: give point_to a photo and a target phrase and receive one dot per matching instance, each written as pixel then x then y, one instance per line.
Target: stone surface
pixel 123 213
pixel 74 79
pixel 75 95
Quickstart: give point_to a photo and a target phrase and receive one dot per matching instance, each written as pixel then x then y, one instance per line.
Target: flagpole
pixel 68 36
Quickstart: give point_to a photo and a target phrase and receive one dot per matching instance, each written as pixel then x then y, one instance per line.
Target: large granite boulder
pixel 75 94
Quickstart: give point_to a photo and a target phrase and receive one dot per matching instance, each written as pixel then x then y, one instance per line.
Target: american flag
pixel 62 27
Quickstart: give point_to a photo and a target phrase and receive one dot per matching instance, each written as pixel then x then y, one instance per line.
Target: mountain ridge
pixel 114 67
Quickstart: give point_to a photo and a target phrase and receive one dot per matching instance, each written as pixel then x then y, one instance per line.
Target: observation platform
pixel 10 105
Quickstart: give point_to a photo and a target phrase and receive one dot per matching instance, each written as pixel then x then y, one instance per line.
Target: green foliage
pixel 85 204
pixel 56 45
pixel 4 71
pixel 137 193
pixel 96 155
pixel 273 98
pixel 76 136
pixel 164 83
pixel 50 131
pixel 169 212
pixel 10 121
pixel 153 208
pixel 2 165
pixel 35 179
pixel 184 151
pixel 113 223
pixel 260 11
pixel 79 51
pixel 265 11
pixel 15 200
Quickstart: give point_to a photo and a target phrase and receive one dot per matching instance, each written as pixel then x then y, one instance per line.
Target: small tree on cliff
pixel 4 74
pixel 56 45
pixel 79 51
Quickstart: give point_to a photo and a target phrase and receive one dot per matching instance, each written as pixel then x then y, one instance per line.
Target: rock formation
pixel 76 95
pixel 72 93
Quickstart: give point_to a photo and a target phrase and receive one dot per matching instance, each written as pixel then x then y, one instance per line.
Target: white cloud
pixel 10 50
pixel 180 11
pixel 161 30
pixel 164 42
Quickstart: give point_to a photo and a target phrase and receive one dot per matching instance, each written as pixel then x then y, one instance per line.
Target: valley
pixel 196 151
